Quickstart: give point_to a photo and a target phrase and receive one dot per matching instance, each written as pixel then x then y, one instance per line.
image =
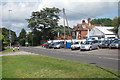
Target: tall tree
pixel 22 37
pixel 22 34
pixel 116 23
pixel 104 21
pixel 44 20
pixel 5 33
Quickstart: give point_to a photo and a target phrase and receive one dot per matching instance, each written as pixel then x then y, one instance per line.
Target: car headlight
pixel 117 45
pixel 87 47
pixel 57 45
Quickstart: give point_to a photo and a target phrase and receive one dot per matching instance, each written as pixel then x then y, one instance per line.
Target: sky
pixel 76 11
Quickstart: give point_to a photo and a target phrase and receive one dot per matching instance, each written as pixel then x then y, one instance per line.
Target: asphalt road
pixel 88 57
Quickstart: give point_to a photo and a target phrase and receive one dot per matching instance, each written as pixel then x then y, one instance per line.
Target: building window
pixel 83 26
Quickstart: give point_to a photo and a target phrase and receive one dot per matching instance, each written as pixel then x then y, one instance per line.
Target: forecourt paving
pixel 94 57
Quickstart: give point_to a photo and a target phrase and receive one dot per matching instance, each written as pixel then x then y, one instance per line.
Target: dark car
pixel 106 43
pixel 58 45
pixel 100 42
pixel 51 45
pixel 47 45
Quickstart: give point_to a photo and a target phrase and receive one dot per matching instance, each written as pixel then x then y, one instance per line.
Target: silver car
pixel 115 44
pixel 89 45
pixel 58 45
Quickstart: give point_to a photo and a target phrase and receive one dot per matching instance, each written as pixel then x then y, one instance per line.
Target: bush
pixel 22 42
pixel 5 43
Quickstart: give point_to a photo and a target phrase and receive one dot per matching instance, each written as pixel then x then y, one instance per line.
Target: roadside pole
pixel 9 29
pixel 65 19
pixel 64 27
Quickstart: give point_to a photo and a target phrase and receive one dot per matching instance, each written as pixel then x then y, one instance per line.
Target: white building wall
pixel 109 36
pixel 95 32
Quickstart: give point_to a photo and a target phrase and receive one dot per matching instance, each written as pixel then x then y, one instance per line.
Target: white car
pixel 76 45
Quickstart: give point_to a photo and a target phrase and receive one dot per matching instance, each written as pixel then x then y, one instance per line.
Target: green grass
pixel 8 50
pixel 37 66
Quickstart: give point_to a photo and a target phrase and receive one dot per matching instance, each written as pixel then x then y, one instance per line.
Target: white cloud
pixel 76 10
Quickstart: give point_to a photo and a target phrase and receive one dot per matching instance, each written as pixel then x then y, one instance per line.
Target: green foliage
pixel 5 43
pixel 60 29
pixel 84 37
pixel 8 50
pixel 5 33
pixel 22 42
pixel 1 37
pixel 1 42
pixel 44 21
pixel 104 21
pixel 115 23
pixel 22 34
pixel 22 37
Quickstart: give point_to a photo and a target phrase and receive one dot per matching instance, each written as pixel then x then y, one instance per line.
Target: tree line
pixel 108 22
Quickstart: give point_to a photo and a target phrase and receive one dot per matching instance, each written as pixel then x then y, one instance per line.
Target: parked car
pixel 115 44
pixel 106 43
pixel 76 45
pixel 44 44
pixel 100 42
pixel 51 45
pixel 58 45
pixel 47 45
pixel 89 45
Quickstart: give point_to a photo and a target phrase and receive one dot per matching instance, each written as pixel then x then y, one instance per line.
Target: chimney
pixel 89 22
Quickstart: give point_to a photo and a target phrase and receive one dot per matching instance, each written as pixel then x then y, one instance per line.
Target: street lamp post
pixel 9 29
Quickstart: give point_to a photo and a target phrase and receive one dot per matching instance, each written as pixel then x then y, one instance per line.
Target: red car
pixel 44 44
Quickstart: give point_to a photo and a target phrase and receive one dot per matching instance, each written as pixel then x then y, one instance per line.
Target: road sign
pixel 10 36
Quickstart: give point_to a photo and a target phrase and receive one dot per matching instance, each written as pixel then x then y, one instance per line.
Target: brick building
pixel 81 30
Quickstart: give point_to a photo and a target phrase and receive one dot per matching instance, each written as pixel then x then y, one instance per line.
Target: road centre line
pixel 111 58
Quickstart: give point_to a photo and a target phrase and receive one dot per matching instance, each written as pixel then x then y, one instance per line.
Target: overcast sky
pixel 76 10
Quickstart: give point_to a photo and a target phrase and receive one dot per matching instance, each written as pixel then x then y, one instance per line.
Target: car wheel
pixel 109 47
pixel 80 49
pixel 90 49
pixel 98 47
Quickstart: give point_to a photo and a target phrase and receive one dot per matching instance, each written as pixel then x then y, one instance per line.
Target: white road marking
pixel 111 58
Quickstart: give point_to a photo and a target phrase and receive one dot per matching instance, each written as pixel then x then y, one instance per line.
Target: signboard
pixel 51 41
pixel 26 43
pixel 10 36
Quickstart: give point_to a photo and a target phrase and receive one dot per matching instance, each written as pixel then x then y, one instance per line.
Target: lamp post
pixel 9 28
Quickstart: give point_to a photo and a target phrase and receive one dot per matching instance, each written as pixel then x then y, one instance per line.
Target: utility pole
pixel 68 27
pixel 9 29
pixel 65 18
pixel 64 26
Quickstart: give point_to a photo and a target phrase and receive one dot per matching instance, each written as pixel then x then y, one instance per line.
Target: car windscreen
pixel 105 42
pixel 116 41
pixel 57 43
pixel 87 42
pixel 76 43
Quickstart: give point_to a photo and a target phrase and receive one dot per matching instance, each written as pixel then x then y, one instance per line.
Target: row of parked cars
pixel 86 44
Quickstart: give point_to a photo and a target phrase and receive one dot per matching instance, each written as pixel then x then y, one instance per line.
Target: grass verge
pixel 37 66
pixel 8 50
